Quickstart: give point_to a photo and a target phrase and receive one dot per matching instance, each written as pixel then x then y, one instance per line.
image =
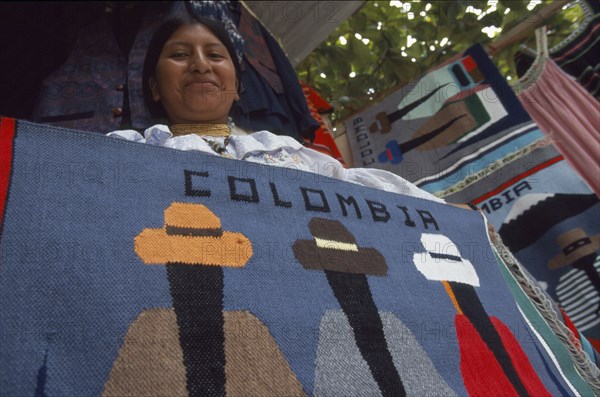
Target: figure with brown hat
pixel 334 250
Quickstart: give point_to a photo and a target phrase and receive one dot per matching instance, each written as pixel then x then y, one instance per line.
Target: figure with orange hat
pixel 195 248
pixel 196 348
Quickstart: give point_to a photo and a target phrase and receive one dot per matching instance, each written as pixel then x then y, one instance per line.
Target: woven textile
pixel 453 122
pixel 565 112
pixel 569 115
pixel 130 269
pixel 550 220
pixel 323 141
pixel 461 133
pixel 578 54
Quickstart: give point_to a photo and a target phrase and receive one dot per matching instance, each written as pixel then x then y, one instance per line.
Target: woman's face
pixel 195 78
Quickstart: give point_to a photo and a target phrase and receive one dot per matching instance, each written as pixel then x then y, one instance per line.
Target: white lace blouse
pixel 282 151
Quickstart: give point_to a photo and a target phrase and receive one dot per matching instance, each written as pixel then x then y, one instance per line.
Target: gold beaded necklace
pixel 202 130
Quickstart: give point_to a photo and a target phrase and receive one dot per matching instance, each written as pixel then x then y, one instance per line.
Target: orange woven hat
pixel 192 235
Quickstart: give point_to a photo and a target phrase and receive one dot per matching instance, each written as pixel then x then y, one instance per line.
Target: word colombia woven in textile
pixel 213 276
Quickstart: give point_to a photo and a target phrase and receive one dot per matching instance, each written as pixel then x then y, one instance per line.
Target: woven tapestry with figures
pixel 460 132
pixel 128 269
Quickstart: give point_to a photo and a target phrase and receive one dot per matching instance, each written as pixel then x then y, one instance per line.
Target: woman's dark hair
pixel 161 36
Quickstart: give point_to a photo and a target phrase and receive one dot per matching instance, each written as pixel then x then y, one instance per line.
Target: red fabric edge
pixel 7 134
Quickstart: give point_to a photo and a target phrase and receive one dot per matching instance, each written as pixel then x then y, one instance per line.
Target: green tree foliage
pixel 387 44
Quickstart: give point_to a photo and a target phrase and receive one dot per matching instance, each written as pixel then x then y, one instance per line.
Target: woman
pixel 191 79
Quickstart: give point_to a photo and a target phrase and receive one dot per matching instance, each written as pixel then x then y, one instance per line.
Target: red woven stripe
pixel 7 133
pixel 521 362
pixel 518 178
pixel 482 375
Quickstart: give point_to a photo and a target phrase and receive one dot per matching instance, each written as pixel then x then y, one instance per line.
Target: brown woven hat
pixel 575 245
pixel 334 248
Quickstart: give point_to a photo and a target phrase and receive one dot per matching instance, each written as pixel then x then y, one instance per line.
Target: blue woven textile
pixel 460 132
pixel 129 269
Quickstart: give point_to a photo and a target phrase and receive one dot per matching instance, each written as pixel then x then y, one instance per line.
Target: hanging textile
pixel 271 97
pixel 474 142
pixel 323 141
pixel 99 87
pixel 578 54
pixel 140 270
pixel 222 11
pixel 564 111
pixel 257 51
pixel 445 126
